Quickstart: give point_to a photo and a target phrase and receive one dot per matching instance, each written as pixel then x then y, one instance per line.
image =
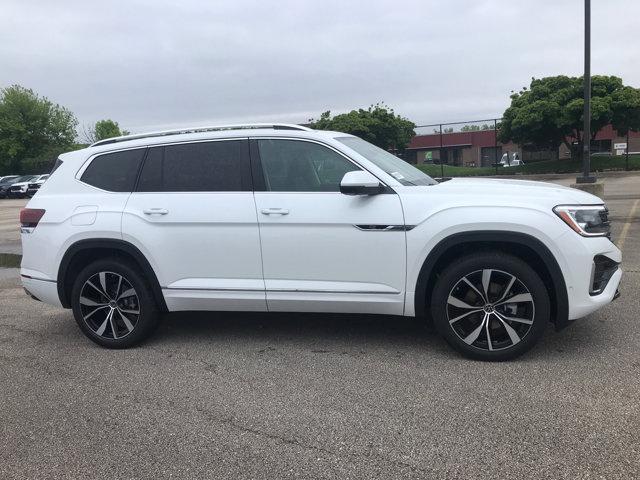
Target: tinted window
pixel 197 167
pixel 115 172
pixel 297 166
pixel 56 165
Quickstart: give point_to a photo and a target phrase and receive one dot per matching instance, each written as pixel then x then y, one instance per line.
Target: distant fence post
pixel 440 155
pixel 626 155
pixel 495 145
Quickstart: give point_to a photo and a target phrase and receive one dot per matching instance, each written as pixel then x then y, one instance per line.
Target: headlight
pixel 587 220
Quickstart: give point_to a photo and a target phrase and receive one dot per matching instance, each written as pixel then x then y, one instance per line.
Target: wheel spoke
pixel 90 303
pixel 94 311
pixel 466 280
pixel 126 321
pixel 459 303
pixel 486 327
pixel 507 288
pixel 514 319
pixel 464 315
pixel 103 326
pixel 510 331
pixel 486 280
pixel 127 293
pixel 125 310
pixel 520 298
pixel 113 324
pixel 473 336
pixel 119 285
pixel 99 290
pixel 103 282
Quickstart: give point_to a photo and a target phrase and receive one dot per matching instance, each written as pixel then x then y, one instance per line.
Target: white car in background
pixel 20 189
pixel 282 218
pixel 8 177
pixel 34 186
pixel 511 161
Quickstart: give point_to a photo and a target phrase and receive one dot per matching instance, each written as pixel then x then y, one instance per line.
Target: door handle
pixel 155 211
pixel 275 211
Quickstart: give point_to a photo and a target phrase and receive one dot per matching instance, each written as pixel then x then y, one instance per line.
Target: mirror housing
pixel 360 182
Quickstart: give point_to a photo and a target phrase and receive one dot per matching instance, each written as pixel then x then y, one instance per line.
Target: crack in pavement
pixel 292 441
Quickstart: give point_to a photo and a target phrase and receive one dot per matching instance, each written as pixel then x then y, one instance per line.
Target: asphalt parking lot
pixel 319 396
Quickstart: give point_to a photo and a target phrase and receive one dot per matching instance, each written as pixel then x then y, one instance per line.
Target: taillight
pixel 29 217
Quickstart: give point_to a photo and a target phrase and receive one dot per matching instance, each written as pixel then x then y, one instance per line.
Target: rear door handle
pixel 275 211
pixel 155 211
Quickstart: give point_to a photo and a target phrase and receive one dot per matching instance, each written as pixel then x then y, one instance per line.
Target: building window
pixel 600 146
pixel 490 155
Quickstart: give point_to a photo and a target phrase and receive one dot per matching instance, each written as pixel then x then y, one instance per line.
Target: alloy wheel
pixel 109 305
pixel 490 309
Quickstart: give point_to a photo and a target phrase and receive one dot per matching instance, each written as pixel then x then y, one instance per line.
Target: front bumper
pixel 596 302
pixel 16 192
pixel 579 254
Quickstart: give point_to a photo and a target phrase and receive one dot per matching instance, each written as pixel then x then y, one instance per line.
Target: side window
pixel 115 172
pixel 299 166
pixel 220 166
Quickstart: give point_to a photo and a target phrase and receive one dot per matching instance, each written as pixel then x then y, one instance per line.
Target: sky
pixel 159 64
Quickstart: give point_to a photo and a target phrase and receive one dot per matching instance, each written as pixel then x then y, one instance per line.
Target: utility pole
pixel 586 131
pixel 440 154
pixel 626 154
pixel 495 144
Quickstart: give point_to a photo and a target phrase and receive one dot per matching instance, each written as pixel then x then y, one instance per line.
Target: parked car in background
pixel 6 184
pixel 511 161
pixel 20 186
pixel 282 218
pixel 34 186
pixel 8 177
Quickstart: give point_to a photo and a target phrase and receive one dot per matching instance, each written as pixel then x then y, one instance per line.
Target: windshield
pixel 8 180
pixel 25 178
pixel 402 171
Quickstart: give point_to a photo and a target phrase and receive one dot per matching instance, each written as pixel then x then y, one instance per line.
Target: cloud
pixel 154 64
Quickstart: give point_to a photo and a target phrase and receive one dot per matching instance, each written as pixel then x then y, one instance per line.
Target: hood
pixel 517 190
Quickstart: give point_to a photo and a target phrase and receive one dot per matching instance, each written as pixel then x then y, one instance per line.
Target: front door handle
pixel 155 211
pixel 275 211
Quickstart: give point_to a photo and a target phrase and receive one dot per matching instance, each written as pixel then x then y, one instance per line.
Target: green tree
pixel 378 124
pixel 32 128
pixel 550 112
pixel 102 130
pixel 625 108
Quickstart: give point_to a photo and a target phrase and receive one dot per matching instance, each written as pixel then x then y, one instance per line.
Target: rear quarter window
pixel 218 166
pixel 114 172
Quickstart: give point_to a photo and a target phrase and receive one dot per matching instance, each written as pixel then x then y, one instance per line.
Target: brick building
pixel 478 148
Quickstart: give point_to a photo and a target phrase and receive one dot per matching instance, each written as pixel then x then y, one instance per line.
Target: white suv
pixel 282 218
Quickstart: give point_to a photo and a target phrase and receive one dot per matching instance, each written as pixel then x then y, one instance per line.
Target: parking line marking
pixel 627 225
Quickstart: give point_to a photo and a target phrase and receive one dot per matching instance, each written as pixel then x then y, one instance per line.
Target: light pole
pixel 586 131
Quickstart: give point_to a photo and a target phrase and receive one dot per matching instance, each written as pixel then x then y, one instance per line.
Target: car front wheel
pixel 490 306
pixel 113 304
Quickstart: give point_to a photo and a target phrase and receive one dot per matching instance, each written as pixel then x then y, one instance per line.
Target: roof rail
pixel 179 131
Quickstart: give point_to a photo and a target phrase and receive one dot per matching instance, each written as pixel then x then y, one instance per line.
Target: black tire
pixel 492 329
pixel 92 317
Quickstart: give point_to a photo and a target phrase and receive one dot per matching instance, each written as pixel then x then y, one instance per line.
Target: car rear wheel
pixel 490 306
pixel 113 305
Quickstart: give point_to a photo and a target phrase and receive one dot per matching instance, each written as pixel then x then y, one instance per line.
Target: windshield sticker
pixel 397 176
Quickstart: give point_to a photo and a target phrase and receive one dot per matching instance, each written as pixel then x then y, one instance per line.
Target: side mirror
pixel 360 183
